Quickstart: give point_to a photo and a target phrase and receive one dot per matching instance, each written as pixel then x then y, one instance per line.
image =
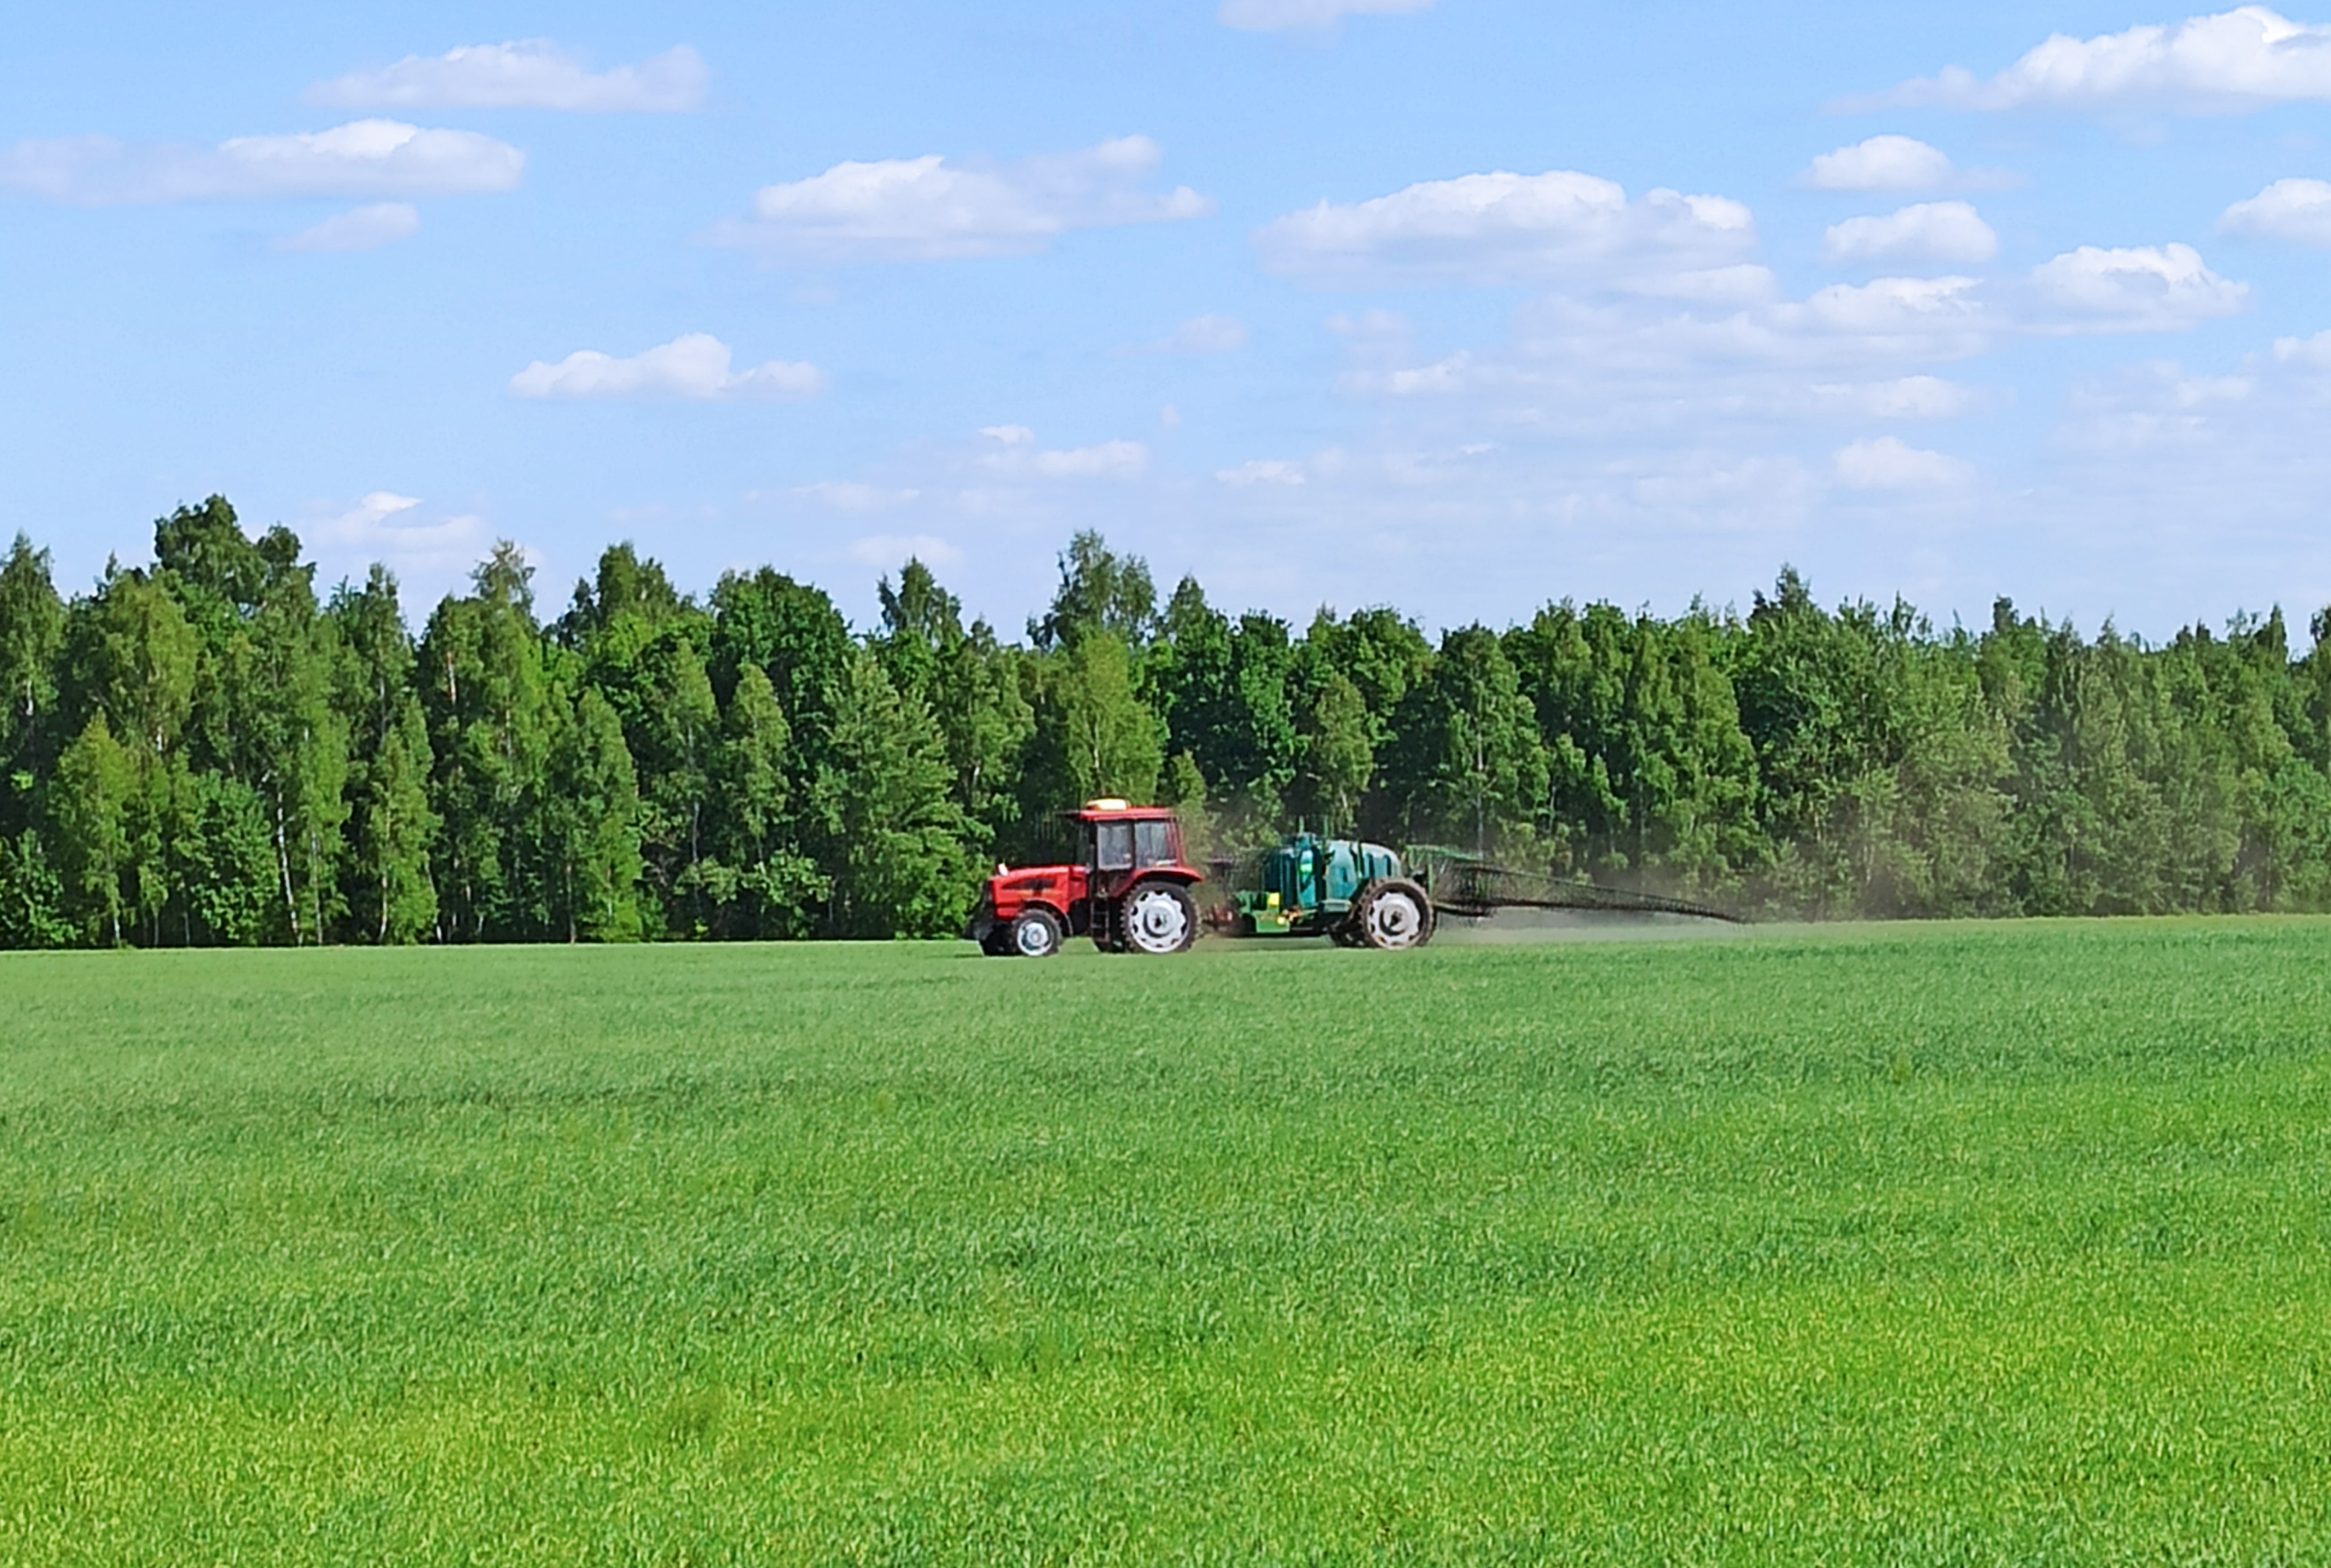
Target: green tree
pixel 756 883
pixel 1094 736
pixel 1469 755
pixel 1100 591
pixel 386 883
pixel 92 808
pixel 487 698
pixel 591 817
pixel 1339 758
pixel 894 840
pixel 32 636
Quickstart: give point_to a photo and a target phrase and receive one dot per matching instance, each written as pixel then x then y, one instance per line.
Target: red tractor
pixel 1130 890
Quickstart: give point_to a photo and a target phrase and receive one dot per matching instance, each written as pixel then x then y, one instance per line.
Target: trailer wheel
pixel 1157 919
pixel 1394 916
pixel 1036 935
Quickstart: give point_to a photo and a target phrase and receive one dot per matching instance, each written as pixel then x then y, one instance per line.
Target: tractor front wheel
pixel 1036 935
pixel 1394 915
pixel 1158 917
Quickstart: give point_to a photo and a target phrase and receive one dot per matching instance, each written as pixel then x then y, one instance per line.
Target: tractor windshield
pixel 1132 846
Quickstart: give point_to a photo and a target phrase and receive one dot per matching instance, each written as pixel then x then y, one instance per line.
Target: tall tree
pixel 489 704
pixel 894 840
pixel 756 883
pixel 1100 591
pixel 1470 755
pixel 32 635
pixel 92 807
pixel 386 883
pixel 590 818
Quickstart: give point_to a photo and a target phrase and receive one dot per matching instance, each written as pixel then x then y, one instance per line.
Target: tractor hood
pixel 1033 882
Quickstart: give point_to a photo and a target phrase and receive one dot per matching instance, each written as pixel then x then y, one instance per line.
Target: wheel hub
pixel 1158 924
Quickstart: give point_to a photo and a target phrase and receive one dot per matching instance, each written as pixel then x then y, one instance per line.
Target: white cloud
pixel 1928 232
pixel 1883 163
pixel 1889 464
pixel 1210 335
pixel 1308 15
pixel 1507 228
pixel 366 157
pixel 2243 59
pixel 933 209
pixel 1014 450
pixel 849 496
pixel 366 228
pixel 397 532
pixel 1905 397
pixel 1370 324
pixel 2147 289
pixel 1261 471
pixel 534 73
pixel 2296 211
pixel 2314 352
pixel 887 552
pixel 694 367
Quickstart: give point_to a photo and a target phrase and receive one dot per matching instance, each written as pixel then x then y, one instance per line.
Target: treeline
pixel 206 751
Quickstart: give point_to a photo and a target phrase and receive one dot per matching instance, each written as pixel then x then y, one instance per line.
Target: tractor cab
pixel 1128 887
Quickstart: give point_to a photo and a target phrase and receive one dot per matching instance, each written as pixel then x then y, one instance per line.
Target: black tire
pixel 1393 917
pixel 1036 933
pixel 1345 933
pixel 1157 919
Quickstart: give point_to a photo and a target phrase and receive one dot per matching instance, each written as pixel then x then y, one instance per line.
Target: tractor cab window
pixel 1153 844
pixel 1113 846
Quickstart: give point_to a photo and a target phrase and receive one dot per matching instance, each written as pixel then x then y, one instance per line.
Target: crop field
pixel 1914 1245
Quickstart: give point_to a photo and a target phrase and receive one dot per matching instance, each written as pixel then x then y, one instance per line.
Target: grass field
pixel 1954 1244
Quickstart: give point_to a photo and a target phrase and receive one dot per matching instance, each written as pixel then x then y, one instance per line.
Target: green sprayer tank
pixel 1307 886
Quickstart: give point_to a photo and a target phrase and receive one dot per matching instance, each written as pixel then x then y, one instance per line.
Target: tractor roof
pixel 1119 811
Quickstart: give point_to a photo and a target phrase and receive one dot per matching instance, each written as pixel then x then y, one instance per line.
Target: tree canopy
pixel 203 749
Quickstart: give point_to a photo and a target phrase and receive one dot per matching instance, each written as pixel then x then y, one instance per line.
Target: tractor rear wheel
pixel 1036 935
pixel 1394 915
pixel 1158 917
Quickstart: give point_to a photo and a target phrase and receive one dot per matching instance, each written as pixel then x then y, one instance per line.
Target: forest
pixel 211 750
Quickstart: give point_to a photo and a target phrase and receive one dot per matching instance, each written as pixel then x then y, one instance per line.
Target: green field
pixel 1949 1244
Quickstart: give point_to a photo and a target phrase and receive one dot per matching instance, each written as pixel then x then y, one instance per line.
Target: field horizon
pixel 1913 1242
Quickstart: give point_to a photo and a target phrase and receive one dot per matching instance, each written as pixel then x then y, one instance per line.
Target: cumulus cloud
pixel 1210 335
pixel 398 531
pixel 692 368
pixel 1929 231
pixel 849 496
pixel 887 552
pixel 2296 211
pixel 1883 163
pixel 364 229
pixel 1308 15
pixel 1905 397
pixel 1888 463
pixel 366 157
pixel 2238 60
pixel 1506 228
pixel 534 73
pixel 1013 450
pixel 934 209
pixel 1261 471
pixel 2146 289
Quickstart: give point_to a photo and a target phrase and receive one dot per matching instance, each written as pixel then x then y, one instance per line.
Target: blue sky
pixel 1460 306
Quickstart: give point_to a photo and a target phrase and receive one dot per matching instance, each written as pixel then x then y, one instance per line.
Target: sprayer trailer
pixel 1363 895
pixel 1127 889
